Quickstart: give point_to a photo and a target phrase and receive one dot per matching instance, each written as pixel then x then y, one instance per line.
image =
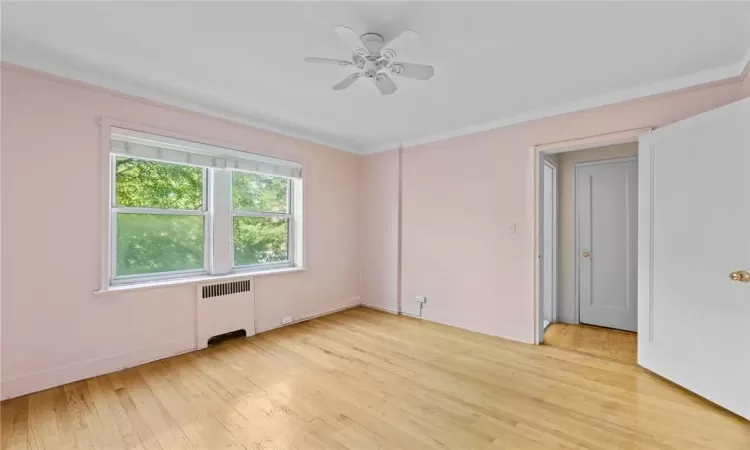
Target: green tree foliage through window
pixel 259 193
pixel 260 240
pixel 153 243
pixel 151 184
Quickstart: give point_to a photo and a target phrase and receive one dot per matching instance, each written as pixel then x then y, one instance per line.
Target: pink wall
pixel 461 196
pixel 54 329
pixel 378 248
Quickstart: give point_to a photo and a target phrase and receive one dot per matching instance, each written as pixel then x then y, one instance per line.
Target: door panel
pixel 697 319
pixel 607 206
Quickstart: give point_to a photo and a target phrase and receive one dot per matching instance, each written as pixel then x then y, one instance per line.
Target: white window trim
pixel 215 267
pixel 290 231
pixel 171 282
pixel 223 261
pixel 115 210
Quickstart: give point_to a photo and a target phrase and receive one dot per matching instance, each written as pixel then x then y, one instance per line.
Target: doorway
pixel 595 262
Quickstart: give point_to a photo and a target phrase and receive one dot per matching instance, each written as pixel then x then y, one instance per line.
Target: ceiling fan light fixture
pixel 373 42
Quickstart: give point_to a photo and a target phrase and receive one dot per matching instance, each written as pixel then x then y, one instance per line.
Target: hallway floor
pixel 620 346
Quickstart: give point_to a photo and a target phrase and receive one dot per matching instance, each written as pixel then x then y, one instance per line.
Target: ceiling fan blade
pixel 350 37
pixel 346 82
pixel 402 39
pixel 385 84
pixel 409 70
pixel 338 62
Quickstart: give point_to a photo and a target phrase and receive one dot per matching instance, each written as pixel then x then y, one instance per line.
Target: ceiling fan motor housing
pixel 372 67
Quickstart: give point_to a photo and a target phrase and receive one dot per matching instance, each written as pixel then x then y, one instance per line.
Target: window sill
pixel 196 280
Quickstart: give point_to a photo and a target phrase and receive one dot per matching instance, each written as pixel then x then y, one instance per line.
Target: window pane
pixel 260 193
pixel 149 184
pixel 151 243
pixel 260 240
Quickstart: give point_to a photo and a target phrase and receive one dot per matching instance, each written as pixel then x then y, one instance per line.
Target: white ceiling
pixel 495 63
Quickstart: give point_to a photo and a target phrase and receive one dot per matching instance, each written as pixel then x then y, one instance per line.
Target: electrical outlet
pixel 286 320
pixel 513 227
pixel 421 299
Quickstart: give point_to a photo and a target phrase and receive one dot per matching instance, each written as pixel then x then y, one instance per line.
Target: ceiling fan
pixel 375 60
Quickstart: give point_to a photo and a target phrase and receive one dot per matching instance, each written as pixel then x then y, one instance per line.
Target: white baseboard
pixel 45 379
pixel 315 316
pixel 403 313
pixel 380 308
pixel 393 311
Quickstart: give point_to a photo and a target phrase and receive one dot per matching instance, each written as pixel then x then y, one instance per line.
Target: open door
pixel 694 246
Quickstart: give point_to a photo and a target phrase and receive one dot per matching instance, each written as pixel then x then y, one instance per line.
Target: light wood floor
pixel 617 345
pixel 362 380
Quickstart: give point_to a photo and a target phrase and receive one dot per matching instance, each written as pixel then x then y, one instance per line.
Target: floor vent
pixel 234 287
pixel 226 336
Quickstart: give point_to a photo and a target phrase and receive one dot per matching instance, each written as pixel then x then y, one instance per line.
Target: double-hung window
pixel 181 209
pixel 261 218
pixel 159 218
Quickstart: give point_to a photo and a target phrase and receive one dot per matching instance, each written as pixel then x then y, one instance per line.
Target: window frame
pixel 115 210
pixel 215 263
pixel 290 224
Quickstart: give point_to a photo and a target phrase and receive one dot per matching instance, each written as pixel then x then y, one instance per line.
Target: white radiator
pixel 223 308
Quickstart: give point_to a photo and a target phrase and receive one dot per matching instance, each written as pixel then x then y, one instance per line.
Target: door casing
pixel 553 241
pixel 537 153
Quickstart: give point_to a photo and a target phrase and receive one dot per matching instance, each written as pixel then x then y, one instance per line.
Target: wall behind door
pixel 460 200
pixel 566 300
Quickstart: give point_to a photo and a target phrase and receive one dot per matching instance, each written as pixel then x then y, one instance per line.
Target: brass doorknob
pixel 740 275
pixel 586 254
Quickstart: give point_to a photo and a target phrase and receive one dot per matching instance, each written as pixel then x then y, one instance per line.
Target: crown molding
pixel 727 74
pixel 26 55
pixel 745 66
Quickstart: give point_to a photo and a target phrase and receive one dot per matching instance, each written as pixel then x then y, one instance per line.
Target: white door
pixel 607 214
pixel 695 220
pixel 549 229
